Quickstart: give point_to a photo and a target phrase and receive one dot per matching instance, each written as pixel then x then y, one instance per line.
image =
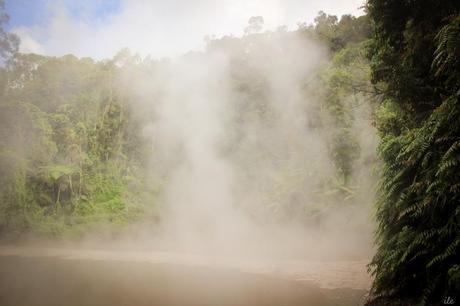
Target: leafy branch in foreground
pixel 416 58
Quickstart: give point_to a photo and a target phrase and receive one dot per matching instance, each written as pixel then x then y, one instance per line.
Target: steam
pixel 241 148
pixel 198 190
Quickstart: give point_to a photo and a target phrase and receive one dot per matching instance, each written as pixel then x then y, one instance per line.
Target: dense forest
pixel 73 147
pixel 81 147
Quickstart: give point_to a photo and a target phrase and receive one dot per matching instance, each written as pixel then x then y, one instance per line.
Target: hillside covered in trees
pixel 74 148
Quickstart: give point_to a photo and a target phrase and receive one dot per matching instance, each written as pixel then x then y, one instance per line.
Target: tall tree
pixel 9 42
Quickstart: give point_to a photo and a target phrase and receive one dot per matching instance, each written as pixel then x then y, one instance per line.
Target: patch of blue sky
pixel 92 10
pixel 28 13
pixel 25 12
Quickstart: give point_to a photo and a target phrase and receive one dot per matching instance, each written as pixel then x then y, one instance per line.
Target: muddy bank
pixel 77 277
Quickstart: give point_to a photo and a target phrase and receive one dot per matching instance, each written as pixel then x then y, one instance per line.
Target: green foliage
pixel 333 97
pixel 446 62
pixel 414 54
pixel 9 42
pixel 347 86
pixel 337 34
pixel 418 209
pixel 402 50
pixel 55 172
pixel 65 166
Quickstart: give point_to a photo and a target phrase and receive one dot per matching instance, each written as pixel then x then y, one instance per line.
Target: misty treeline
pixel 79 143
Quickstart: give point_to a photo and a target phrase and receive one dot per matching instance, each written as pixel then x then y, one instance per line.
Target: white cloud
pixel 28 43
pixel 165 28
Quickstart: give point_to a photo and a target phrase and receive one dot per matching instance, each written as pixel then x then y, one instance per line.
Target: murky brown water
pixel 45 276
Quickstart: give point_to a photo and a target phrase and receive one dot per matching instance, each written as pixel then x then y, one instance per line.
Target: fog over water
pixel 245 170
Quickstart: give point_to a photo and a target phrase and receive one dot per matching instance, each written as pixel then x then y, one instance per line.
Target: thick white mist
pixel 239 140
pixel 198 189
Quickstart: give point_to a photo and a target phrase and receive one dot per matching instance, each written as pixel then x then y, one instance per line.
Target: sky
pixel 100 28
